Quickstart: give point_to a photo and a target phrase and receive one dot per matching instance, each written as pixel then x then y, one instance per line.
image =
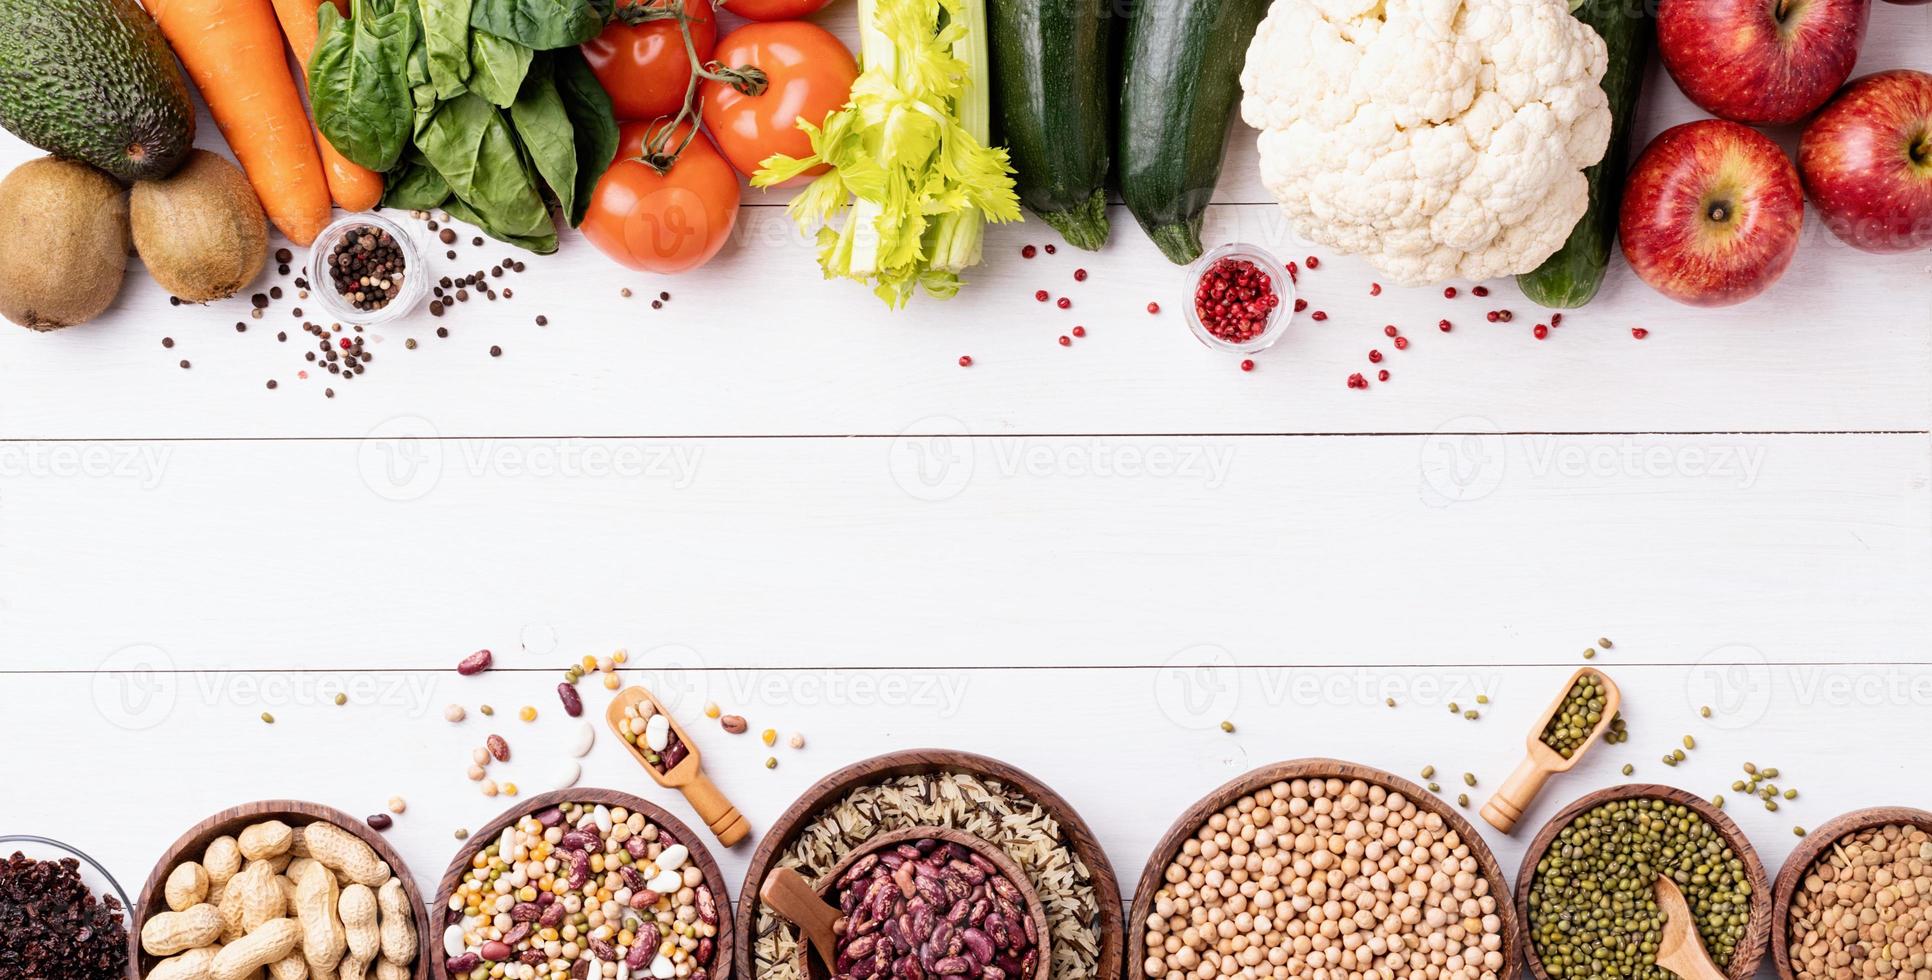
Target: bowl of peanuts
pixel 285 888
pixel 1317 867
pixel 1854 899
pixel 583 884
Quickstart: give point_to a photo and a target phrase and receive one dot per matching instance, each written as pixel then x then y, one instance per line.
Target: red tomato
pixel 774 9
pixel 662 222
pixel 645 68
pixel 808 73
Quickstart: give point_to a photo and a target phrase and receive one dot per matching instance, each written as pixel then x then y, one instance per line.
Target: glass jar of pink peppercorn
pixel 1239 298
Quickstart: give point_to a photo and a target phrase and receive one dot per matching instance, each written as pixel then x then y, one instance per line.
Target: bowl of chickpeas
pixel 1317 867
pixel 582 884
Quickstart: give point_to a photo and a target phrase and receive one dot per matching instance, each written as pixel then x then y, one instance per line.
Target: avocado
pixel 94 80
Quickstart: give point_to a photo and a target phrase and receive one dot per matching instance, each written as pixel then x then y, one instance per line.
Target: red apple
pixel 1760 61
pixel 1867 162
pixel 1711 213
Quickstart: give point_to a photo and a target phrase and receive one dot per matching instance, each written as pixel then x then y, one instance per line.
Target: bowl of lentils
pixel 1586 893
pixel 1321 868
pixel 583 883
pixel 1854 900
pixel 365 270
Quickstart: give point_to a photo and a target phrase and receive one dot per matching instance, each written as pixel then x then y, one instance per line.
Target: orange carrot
pixel 354 187
pixel 233 51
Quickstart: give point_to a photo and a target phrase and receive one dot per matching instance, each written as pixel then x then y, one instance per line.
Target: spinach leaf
pixel 497 67
pixel 590 118
pixel 359 84
pixel 544 127
pixel 540 24
pixel 414 185
pixel 470 144
pixel 446 32
pixel 542 244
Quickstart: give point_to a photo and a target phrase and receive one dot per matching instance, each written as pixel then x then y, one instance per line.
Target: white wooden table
pixel 779 496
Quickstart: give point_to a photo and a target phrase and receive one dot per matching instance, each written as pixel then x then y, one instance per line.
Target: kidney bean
pixel 550 817
pixel 706 947
pixel 518 933
pixel 707 906
pixel 499 749
pixel 496 951
pixel 533 957
pixel 462 964
pixel 475 663
pixel 553 915
pixel 644 948
pixel 573 703
pixel 606 953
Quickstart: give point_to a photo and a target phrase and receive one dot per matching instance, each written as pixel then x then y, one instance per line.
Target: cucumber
pixel 1180 81
pixel 1570 277
pixel 1051 87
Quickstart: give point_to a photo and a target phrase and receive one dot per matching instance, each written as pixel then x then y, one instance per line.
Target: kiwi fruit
pixel 63 243
pixel 200 231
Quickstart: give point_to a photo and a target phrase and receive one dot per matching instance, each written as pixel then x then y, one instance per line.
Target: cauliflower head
pixel 1439 139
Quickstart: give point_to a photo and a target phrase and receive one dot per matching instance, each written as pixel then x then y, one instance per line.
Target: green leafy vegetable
pixel 359 81
pixel 591 120
pixel 446 34
pixel 474 149
pixel 540 24
pixel 497 67
pixel 911 173
pixel 414 185
pixel 542 244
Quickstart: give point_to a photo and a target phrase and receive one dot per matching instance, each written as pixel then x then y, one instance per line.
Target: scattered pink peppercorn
pixel 1079 331
pixel 1357 381
pixel 1154 308
pixel 965 360
pixel 1505 315
pixel 1051 248
pixel 1556 319
pixel 1541 331
pixel 1442 325
pixel 1040 295
pixel 1639 332
pixel 1448 292
pixel 1063 303
pixel 1389 331
pixel 1079 275
pixel 1294 272
pixel 1247 365
pixel 1492 316
pixel 1066 341
pixel 1375 356
pixel 1401 343
pixel 1375 289
pixel 1480 290
pixel 1300 304
pixel 1382 375
pixel 1318 315
pixel 1314 263
pixel 1027 252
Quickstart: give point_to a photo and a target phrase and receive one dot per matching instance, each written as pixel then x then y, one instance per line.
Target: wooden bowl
pixel 295 813
pixel 809 964
pixel 441 918
pixel 1809 850
pixel 1189 823
pixel 911 762
pixel 1750 949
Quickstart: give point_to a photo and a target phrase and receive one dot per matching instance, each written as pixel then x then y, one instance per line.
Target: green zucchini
pixel 1051 86
pixel 1180 82
pixel 1570 277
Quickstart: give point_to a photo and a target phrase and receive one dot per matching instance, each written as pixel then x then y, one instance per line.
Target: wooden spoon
pixel 687 776
pixel 808 906
pixel 1505 807
pixel 1681 949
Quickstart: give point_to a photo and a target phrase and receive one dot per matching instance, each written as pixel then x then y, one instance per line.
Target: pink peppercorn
pixel 1401 343
pixel 1235 300
pixel 1448 292
pixel 1040 295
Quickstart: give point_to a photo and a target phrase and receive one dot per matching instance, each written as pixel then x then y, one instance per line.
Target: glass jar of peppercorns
pixel 1239 298
pixel 365 270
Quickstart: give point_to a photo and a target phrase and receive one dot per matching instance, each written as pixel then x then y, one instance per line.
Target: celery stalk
pixel 912 180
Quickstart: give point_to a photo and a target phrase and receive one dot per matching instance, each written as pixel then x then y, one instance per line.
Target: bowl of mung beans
pixel 1322 868
pixel 582 884
pixel 1585 896
pixel 1854 899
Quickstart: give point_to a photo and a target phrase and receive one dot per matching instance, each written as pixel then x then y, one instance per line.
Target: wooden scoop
pixel 1505 807
pixel 1681 949
pixel 810 909
pixel 687 776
